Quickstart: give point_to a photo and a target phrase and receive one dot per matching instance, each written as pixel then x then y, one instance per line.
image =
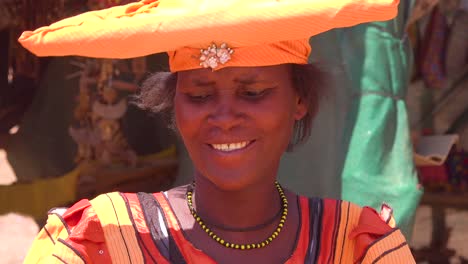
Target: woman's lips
pixel 232 146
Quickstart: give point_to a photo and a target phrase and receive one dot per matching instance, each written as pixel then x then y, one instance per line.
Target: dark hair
pixel 158 90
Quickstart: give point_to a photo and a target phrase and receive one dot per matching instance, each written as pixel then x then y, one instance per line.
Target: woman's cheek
pixel 189 118
pixel 182 116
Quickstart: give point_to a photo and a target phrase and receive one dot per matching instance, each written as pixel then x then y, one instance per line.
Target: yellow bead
pixel 283 197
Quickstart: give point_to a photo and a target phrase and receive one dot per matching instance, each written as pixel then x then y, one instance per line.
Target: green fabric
pixel 379 165
pixel 374 60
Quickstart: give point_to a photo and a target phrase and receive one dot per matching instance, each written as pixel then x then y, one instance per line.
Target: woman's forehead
pixel 240 74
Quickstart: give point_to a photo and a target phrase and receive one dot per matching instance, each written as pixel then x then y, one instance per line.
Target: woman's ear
pixel 301 109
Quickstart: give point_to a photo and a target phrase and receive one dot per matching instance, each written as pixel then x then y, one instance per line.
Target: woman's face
pixel 237 122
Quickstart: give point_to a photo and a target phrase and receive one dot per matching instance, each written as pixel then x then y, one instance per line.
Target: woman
pixel 237 105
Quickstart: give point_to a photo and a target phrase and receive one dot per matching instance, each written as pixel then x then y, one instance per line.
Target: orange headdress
pixel 205 33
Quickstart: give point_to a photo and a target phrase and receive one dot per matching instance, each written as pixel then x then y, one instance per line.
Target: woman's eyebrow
pixel 248 80
pixel 203 83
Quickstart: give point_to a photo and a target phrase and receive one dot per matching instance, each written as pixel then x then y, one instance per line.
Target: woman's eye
pixel 254 94
pixel 198 97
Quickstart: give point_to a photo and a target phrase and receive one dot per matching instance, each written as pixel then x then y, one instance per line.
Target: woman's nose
pixel 226 114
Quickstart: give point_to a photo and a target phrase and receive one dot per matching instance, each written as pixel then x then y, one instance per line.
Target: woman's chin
pixel 229 180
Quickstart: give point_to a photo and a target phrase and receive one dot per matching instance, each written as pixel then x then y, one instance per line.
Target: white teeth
pixel 230 146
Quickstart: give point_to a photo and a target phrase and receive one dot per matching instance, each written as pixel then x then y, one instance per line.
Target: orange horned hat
pixel 205 33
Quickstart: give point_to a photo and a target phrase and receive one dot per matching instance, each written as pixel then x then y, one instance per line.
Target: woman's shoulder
pixel 361 232
pixel 350 211
pixel 78 234
pixel 71 235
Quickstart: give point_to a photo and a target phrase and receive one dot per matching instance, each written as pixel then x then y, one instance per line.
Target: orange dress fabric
pixel 345 233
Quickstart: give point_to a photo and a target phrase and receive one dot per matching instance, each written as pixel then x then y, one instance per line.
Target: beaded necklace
pixel 246 229
pixel 227 244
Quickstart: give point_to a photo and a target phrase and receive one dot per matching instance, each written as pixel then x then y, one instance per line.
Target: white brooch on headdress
pixel 213 56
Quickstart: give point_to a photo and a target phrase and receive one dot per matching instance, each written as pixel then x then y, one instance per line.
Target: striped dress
pixel 142 228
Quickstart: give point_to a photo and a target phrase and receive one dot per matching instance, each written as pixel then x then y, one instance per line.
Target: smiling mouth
pixel 228 147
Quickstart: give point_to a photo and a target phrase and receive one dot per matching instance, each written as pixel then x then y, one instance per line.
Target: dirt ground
pixel 457 221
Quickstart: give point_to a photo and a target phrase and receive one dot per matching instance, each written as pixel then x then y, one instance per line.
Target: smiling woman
pixel 238 106
pixel 309 82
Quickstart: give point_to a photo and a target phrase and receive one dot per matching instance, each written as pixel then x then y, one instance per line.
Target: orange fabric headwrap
pixel 260 32
pixel 291 51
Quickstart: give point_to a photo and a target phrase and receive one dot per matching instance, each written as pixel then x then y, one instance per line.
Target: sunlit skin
pixel 253 105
